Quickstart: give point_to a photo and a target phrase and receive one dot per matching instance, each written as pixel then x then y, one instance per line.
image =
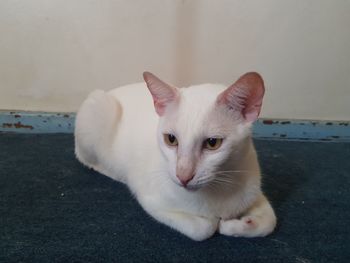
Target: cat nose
pixel 185 169
pixel 185 180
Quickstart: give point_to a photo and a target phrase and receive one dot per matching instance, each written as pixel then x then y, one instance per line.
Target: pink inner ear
pixel 245 96
pixel 162 93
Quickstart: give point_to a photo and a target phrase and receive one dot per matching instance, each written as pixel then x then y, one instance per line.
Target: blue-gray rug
pixel 52 209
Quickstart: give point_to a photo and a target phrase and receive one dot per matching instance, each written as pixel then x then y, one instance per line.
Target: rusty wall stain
pixel 7 125
pixel 17 125
pixel 268 122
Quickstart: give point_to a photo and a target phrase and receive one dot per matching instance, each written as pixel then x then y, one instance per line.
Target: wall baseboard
pixel 302 130
pixel 298 130
pixel 36 122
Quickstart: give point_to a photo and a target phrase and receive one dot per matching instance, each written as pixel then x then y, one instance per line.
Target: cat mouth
pixel 193 187
pixel 190 187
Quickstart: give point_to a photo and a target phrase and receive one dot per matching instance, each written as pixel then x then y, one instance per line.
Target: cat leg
pixel 195 227
pixel 258 221
pixel 95 127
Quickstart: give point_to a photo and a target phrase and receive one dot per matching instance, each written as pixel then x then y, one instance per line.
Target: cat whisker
pixel 231 172
pixel 226 184
pixel 217 182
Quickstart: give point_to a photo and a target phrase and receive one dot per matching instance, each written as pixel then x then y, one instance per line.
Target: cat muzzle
pixel 185 179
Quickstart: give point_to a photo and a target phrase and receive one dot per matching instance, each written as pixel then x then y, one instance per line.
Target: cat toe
pixel 243 227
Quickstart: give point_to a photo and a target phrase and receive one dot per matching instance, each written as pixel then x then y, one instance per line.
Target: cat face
pixel 201 126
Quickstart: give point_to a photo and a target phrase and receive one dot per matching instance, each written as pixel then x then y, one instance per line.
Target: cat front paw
pixel 203 229
pixel 247 226
pixel 236 227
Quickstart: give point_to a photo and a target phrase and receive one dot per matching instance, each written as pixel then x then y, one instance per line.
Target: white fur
pixel 119 134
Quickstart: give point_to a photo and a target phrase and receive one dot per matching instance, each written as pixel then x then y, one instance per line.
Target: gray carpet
pixel 52 209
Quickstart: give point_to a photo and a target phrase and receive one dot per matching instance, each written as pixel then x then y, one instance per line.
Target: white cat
pixel 189 159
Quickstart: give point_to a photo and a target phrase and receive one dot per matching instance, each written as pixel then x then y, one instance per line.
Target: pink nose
pixel 184 181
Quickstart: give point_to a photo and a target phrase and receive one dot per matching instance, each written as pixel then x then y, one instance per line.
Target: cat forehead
pixel 202 93
pixel 198 101
pixel 196 114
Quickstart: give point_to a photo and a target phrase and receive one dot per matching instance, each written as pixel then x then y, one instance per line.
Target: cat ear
pixel 245 96
pixel 162 93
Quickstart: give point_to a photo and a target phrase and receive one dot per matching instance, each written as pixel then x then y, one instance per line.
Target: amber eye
pixel 212 143
pixel 170 140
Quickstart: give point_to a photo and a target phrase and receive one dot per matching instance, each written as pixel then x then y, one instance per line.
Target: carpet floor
pixel 52 209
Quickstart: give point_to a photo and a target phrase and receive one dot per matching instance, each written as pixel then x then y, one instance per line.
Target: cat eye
pixel 170 140
pixel 212 143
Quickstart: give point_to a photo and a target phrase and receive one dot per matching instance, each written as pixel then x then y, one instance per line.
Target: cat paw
pixel 203 229
pixel 246 226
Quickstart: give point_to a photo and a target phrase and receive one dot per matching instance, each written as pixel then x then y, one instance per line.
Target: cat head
pixel 200 127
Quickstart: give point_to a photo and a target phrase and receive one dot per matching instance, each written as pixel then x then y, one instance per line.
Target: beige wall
pixel 52 53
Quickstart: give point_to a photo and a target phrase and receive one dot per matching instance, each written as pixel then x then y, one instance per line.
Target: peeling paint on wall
pixel 303 130
pixel 17 125
pixel 36 122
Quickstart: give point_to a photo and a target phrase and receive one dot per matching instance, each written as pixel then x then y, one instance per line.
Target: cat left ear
pixel 245 96
pixel 162 93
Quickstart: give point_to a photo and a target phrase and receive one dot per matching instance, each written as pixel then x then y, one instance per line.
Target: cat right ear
pixel 162 93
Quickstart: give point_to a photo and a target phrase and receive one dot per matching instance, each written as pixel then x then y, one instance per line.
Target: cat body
pixel 155 139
